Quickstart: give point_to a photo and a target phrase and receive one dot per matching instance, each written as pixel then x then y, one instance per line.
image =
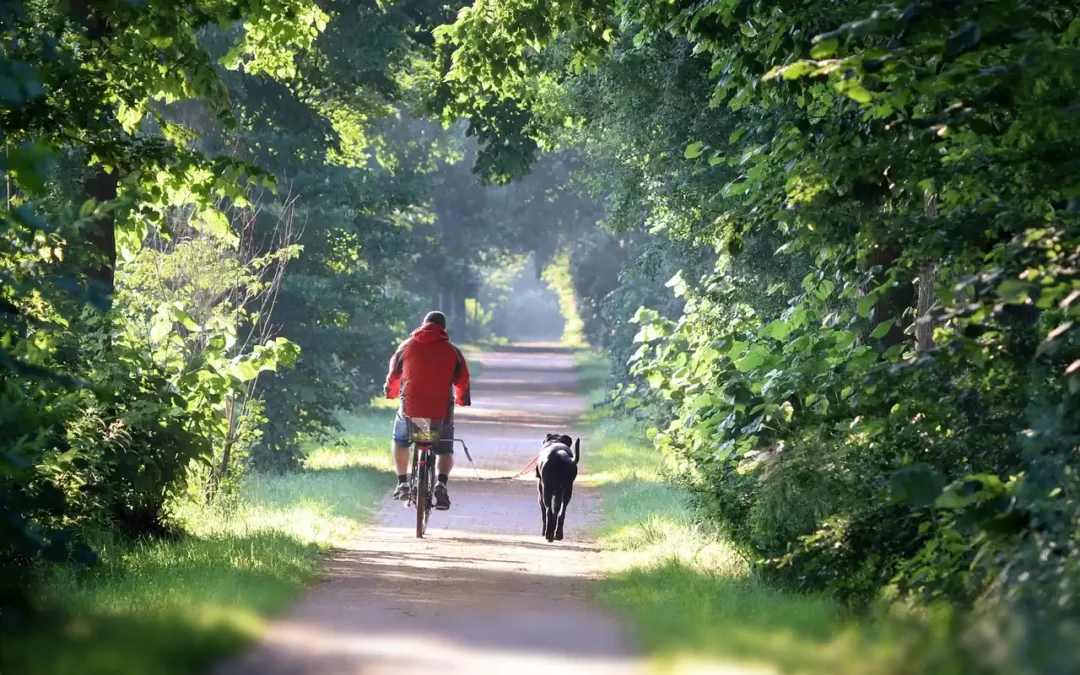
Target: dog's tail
pixel 577 451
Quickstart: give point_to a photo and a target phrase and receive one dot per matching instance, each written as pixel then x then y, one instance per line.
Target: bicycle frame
pixel 422 485
pixel 424 434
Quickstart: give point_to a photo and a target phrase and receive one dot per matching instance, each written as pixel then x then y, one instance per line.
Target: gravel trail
pixel 483 592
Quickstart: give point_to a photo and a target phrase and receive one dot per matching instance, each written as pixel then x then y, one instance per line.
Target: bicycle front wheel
pixel 423 496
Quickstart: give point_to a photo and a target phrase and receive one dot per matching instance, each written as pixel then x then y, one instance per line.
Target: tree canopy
pixel 872 383
pixel 220 218
pixel 836 267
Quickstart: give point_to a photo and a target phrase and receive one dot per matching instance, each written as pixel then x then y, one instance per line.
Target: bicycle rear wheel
pixel 423 492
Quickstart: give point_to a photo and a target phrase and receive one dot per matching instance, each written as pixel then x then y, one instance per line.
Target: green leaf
pixel 866 305
pixel 797 70
pixel 844 339
pixel 787 411
pixel 753 358
pixel 735 188
pixel 893 353
pixel 185 319
pixel 1014 290
pixel 648 333
pixel 677 284
pixel 215 223
pixel 694 150
pixel 737 348
pixel 825 48
pixel 883 328
pixel 825 288
pixel 245 371
pixel 779 330
pixel 970 490
pixel 130 234
pixel 160 330
pixel 859 94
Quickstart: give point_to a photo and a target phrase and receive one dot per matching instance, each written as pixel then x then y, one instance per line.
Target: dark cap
pixel 437 318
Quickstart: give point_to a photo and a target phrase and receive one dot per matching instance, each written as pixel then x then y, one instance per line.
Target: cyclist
pixel 424 371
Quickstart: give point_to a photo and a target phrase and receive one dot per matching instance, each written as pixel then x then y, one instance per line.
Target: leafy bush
pixel 888 346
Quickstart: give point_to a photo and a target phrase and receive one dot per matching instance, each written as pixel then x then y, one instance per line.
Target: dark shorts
pixel 401 435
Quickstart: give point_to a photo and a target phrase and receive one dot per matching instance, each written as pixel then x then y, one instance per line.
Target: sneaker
pixel 401 492
pixel 442 499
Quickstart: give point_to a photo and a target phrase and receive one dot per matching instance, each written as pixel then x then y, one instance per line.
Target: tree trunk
pixel 226 453
pixel 103 187
pixel 924 329
pixel 100 186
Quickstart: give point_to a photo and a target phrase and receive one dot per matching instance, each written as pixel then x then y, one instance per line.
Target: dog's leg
pixel 543 507
pixel 551 499
pixel 567 493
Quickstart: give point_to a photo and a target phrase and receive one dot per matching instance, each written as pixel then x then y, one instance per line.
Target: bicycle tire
pixel 423 497
pixel 431 490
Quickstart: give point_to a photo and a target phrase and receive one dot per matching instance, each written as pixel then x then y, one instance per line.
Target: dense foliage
pixel 107 403
pixel 838 268
pixel 220 218
pixel 875 387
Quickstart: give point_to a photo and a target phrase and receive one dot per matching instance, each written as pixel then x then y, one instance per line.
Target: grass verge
pixel 594 375
pixel 175 607
pixel 690 596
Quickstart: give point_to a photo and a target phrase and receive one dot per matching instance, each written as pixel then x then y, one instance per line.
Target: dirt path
pixel 483 592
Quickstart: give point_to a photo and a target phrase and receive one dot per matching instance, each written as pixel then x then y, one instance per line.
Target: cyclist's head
pixel 437 318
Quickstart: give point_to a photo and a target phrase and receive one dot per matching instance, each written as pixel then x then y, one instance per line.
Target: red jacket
pixel 428 366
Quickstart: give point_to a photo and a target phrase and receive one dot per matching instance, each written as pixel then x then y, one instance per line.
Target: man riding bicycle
pixel 430 368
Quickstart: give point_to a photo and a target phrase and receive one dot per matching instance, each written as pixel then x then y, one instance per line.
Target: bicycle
pixel 423 435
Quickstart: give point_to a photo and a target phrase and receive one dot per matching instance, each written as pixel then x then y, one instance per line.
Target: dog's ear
pixel 566 440
pixel 551 437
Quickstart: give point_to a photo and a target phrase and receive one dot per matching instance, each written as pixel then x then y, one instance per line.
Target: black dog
pixel 556 470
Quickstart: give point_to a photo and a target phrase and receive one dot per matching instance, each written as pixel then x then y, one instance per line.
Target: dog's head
pixel 562 439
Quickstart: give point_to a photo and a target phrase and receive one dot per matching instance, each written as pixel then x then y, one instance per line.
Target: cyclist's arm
pixel 392 388
pixel 462 391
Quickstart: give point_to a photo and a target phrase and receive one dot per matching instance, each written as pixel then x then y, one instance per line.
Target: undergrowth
pixel 174 607
pixel 689 594
pixel 594 375
pixel 695 604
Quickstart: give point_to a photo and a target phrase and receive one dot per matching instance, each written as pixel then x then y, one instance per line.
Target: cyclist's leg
pixel 444 451
pixel 444 464
pixel 400 448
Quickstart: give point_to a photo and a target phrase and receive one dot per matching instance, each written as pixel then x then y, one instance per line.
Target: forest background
pixel 831 250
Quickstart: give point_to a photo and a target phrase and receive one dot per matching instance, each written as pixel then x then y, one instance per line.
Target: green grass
pixel 594 375
pixel 476 367
pixel 174 607
pixel 691 596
